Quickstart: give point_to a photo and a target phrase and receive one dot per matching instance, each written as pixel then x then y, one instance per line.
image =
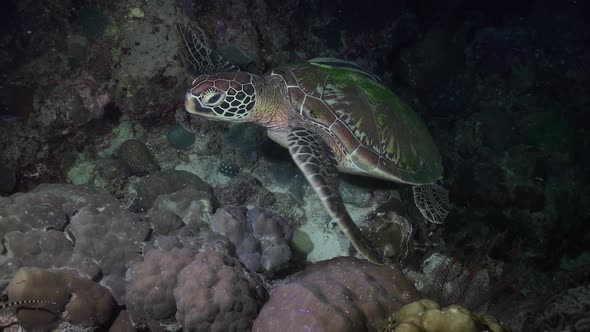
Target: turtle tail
pixel 197 56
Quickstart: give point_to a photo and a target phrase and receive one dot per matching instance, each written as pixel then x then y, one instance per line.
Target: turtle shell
pixel 380 135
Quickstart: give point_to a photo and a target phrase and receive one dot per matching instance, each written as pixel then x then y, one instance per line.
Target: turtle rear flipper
pixel 433 202
pixel 198 58
pixel 316 160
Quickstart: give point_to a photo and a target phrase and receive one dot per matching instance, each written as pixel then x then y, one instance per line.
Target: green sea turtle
pixel 332 116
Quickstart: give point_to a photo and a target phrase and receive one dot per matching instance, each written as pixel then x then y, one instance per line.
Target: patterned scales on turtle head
pixel 333 116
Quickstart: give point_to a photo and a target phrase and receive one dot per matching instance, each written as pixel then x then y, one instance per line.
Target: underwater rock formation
pixel 341 294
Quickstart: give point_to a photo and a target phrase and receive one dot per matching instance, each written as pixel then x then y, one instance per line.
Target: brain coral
pixel 342 294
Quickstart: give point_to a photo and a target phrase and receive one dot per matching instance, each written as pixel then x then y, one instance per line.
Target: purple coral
pixel 216 293
pixel 149 298
pixel 342 294
pixel 207 291
pixel 261 237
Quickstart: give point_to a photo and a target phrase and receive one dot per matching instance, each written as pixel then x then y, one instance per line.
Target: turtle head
pixel 222 96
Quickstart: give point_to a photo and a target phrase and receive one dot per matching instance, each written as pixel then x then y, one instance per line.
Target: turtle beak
pixel 194 106
pixel 190 103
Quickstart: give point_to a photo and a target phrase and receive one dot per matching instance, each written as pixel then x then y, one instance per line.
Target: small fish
pixel 15 303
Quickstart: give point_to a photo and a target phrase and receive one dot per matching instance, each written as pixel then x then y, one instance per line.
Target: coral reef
pixel 59 226
pixel 428 316
pixel 261 238
pixel 197 291
pixel 186 208
pixel 228 169
pixel 447 281
pixel 167 182
pixel 501 85
pixel 180 138
pixel 122 323
pixel 149 298
pixel 75 300
pixel 244 189
pixel 216 293
pixel 391 235
pixel 136 158
pixel 340 294
pixel 567 311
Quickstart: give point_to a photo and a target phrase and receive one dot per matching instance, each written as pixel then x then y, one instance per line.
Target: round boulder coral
pixel 343 294
pixel 260 236
pixel 149 298
pixel 216 293
pixel 72 299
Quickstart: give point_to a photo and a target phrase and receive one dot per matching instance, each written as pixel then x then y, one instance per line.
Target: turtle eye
pixel 213 98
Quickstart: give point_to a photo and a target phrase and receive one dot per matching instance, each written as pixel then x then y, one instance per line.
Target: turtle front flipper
pixel 199 58
pixel 316 160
